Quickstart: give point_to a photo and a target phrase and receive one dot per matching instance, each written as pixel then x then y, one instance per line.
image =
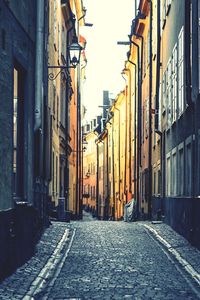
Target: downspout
pixel 195 49
pixel 119 144
pixel 135 124
pixel 39 97
pixel 125 189
pixel 137 104
pixel 130 142
pixel 39 67
pixel 195 73
pixel 157 104
pixel 113 168
pixel 107 179
pixel 78 137
pixel 67 124
pixel 125 146
pixel 140 89
pixel 188 51
pixel 150 117
pixel 97 183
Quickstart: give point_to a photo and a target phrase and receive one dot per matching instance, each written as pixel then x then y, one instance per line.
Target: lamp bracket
pixel 52 76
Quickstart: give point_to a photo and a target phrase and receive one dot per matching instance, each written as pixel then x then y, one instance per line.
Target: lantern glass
pixel 75 52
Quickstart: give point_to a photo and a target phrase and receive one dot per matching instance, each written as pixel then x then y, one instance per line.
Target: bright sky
pixel 111 23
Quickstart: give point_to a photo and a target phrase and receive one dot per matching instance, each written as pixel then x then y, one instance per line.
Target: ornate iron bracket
pixel 63 70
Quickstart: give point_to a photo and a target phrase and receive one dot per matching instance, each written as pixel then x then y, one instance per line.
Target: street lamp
pixel 74 53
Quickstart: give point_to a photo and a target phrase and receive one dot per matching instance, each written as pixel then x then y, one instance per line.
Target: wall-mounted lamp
pixel 74 52
pixel 87 174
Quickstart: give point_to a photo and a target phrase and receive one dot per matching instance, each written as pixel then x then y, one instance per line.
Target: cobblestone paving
pixel 189 253
pixel 15 286
pixel 117 260
pixel 107 260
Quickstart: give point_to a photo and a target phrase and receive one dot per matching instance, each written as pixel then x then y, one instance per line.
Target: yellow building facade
pixel 65 18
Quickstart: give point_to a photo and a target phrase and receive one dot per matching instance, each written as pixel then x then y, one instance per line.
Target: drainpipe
pixel 119 143
pixel 195 49
pixel 157 72
pixel 113 168
pixel 157 104
pixel 150 117
pixel 195 79
pixel 39 97
pixel 130 142
pixel 187 38
pixel 137 157
pixel 107 179
pixel 125 162
pixel 97 183
pixel 135 124
pixel 67 124
pixel 140 85
pixel 78 136
pixel 39 67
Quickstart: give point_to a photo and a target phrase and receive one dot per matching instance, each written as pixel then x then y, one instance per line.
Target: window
pixel 18 132
pixel 147 117
pixel 54 99
pixel 56 176
pixel 169 93
pixel 174 174
pixel 174 83
pixel 148 49
pixel 57 110
pixel 168 176
pixel 53 175
pixel 181 72
pixel 164 91
pixel 109 164
pixel 159 181
pixel 188 171
pixel 181 170
pixel 55 22
pixel 154 181
pixel 144 58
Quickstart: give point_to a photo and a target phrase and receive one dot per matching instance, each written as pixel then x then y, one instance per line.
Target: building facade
pixel 23 176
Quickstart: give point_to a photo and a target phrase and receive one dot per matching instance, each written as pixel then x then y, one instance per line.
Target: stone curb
pixel 183 262
pixel 46 273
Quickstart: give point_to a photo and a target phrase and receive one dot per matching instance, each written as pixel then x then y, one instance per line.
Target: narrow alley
pixel 99 149
pixel 106 260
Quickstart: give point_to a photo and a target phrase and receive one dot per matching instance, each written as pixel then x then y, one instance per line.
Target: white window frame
pixel 174 83
pixel 164 89
pixel 188 169
pixel 174 172
pixel 55 23
pixel 181 173
pixel 181 75
pixel 168 175
pixel 169 93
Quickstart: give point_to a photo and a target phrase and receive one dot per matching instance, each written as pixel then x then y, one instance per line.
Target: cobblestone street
pixel 104 260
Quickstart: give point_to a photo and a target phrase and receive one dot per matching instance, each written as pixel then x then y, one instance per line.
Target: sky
pixel 105 59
